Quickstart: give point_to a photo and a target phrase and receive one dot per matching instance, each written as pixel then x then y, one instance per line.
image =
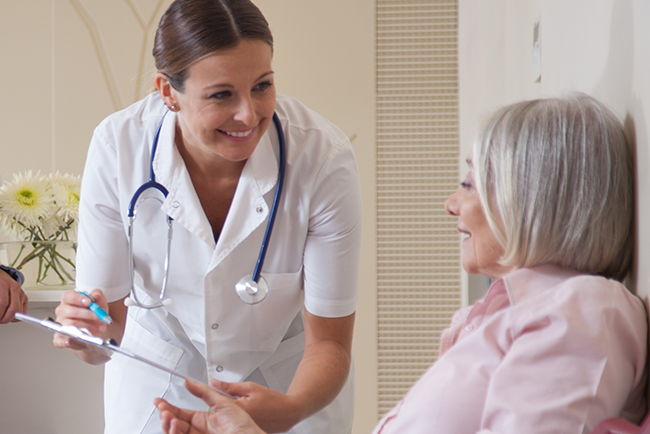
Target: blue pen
pixel 101 313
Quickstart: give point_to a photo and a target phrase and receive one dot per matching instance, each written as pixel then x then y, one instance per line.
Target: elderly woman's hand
pixel 226 416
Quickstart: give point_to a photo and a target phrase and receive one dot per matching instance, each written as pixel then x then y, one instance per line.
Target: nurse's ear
pixel 166 91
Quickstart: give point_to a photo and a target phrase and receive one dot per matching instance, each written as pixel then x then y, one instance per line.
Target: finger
pixel 165 420
pixel 22 304
pixel 5 301
pixel 93 326
pixel 62 341
pixel 164 423
pixel 65 314
pixel 24 301
pixel 169 422
pixel 12 303
pixel 179 427
pixel 209 396
pixel 178 413
pixel 233 389
pixel 164 406
pixel 74 305
pixel 80 317
pixel 74 298
pixel 229 388
pixel 99 298
pixel 6 283
pixel 166 412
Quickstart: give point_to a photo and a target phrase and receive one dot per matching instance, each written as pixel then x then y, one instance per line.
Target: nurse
pixel 287 358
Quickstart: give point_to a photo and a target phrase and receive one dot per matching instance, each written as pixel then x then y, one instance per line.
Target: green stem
pixel 20 252
pixel 37 252
pixel 52 263
pixel 57 257
pixel 42 271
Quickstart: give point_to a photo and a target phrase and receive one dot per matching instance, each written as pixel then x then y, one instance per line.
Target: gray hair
pixel 556 180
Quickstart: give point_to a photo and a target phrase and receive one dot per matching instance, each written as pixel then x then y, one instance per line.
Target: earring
pixel 173 108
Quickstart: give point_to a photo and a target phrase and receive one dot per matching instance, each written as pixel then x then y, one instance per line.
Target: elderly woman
pixel 558 343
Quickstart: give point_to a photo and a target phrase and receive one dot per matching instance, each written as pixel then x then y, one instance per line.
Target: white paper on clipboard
pixel 106 347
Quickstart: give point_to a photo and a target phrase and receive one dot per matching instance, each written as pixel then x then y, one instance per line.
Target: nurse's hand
pixel 226 417
pixel 12 298
pixel 74 310
pixel 271 410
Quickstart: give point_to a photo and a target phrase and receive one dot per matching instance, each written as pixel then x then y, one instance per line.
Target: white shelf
pixel 44 295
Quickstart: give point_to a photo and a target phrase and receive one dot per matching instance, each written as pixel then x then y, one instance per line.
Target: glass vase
pixel 45 264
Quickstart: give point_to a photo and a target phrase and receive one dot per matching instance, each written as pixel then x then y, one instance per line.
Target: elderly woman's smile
pixel 481 250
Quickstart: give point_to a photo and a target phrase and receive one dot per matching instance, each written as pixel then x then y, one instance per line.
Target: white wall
pixel 601 48
pixel 496 63
pixel 496 67
pixel 69 63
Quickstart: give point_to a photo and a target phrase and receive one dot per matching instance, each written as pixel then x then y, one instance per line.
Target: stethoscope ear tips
pixel 167 302
pixel 128 301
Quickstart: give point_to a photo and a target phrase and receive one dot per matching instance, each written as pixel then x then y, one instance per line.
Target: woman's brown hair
pixel 191 29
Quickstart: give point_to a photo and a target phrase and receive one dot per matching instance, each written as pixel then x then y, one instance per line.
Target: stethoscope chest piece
pixel 252 292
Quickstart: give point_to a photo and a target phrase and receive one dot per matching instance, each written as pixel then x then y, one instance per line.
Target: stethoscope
pixel 251 288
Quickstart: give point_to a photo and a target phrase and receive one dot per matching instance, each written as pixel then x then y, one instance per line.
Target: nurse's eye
pixel 466 185
pixel 263 85
pixel 221 95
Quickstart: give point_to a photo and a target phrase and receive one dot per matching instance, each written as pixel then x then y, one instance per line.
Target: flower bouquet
pixel 41 212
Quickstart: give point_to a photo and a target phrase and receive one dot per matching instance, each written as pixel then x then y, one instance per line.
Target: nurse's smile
pixel 238 136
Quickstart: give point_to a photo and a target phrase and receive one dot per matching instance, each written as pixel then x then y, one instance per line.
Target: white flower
pixel 52 226
pixel 25 202
pixel 65 189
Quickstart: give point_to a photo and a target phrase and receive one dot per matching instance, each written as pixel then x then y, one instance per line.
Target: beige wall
pixel 69 63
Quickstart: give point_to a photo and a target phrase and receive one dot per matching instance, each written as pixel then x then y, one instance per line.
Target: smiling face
pixel 227 104
pixel 481 250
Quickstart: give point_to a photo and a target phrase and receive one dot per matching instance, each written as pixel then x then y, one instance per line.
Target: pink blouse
pixel 546 351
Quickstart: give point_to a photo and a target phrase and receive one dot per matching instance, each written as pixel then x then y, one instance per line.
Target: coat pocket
pixel 130 386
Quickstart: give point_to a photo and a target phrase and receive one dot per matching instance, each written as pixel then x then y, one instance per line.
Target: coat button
pixel 259 209
pixel 176 204
pixel 469 327
pixel 215 326
pixel 219 368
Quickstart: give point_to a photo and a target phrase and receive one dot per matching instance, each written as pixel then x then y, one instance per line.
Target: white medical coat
pixel 208 332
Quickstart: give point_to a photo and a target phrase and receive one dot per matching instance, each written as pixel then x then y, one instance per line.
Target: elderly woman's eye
pixel 465 184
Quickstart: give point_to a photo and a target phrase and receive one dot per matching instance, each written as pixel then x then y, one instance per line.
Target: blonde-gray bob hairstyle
pixel 556 181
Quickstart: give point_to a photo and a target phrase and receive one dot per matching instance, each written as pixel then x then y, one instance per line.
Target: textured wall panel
pixel 417 169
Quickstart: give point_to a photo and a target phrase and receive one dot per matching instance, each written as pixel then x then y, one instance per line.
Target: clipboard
pixel 106 347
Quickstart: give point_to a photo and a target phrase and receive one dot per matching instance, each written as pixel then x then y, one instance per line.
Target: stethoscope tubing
pixel 152 175
pixel 276 199
pixel 256 276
